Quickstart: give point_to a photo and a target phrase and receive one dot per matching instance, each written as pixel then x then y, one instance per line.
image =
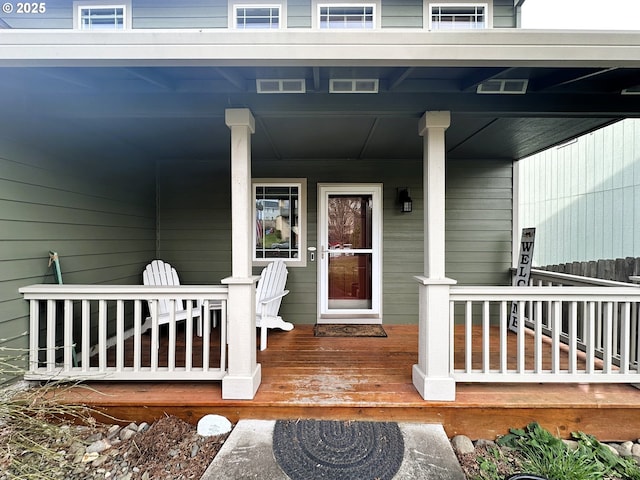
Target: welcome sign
pixel 523 271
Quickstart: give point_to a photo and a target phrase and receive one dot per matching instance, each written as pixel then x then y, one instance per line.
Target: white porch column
pixel 431 375
pixel 244 375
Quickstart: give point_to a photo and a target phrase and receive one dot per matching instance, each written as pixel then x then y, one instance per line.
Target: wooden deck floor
pixel 370 378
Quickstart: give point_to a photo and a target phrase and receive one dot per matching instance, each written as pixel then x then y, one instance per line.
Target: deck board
pixel 370 379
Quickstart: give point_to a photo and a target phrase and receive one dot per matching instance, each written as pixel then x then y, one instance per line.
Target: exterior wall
pixel 478 221
pixel 194 225
pixel 179 14
pixel 402 14
pixel 584 197
pixel 299 14
pixel 215 13
pixel 504 14
pixel 101 224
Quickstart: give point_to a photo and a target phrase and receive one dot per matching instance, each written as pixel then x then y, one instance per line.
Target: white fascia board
pixel 538 48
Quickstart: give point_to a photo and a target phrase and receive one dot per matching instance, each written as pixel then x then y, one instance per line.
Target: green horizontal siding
pixel 180 14
pixel 299 14
pixel 402 14
pixel 194 232
pixel 104 232
pixel 478 221
pixel 504 14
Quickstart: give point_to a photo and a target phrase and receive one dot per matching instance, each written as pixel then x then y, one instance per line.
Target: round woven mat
pixel 336 450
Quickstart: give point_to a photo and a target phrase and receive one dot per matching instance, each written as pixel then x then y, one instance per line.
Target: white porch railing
pixel 96 332
pixel 576 334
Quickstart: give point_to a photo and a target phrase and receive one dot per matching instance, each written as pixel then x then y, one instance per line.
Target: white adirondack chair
pixel 269 293
pixel 160 273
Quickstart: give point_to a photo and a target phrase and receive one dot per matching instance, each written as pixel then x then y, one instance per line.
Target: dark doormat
pixel 347 330
pixel 338 450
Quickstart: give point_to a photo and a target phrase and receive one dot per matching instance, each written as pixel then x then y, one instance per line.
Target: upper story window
pixel 280 216
pixel 101 16
pixel 257 16
pixel 457 16
pixel 342 15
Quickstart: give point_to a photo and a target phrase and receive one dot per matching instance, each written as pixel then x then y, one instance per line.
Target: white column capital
pixel 240 117
pixel 435 119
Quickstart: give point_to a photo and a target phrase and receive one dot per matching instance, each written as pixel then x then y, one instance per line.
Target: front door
pixel 350 244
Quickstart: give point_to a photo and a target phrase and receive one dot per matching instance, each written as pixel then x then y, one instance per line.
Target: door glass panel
pixel 350 251
pixel 350 280
pixel 350 221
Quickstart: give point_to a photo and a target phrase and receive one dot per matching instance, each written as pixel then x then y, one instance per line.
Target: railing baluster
pixel 34 334
pixel 615 345
pixel 137 335
pixel 51 336
pixel 119 335
pixel 573 337
pixel 67 342
pixel 633 336
pixel 556 321
pixel 607 337
pixel 538 338
pixel 206 341
pixel 468 336
pixel 521 345
pixel 86 334
pixel 155 347
pixel 625 341
pixel 171 354
pixel 223 338
pixel 102 336
pixel 503 337
pixel 188 344
pixel 486 339
pixel 591 337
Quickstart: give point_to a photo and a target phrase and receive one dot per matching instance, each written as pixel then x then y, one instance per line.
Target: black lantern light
pixel 406 204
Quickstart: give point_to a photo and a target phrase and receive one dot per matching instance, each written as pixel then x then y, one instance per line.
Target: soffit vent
pixel 631 90
pixel 348 85
pixel 280 85
pixel 503 86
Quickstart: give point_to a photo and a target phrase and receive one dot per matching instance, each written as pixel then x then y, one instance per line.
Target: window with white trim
pixel 255 17
pixel 458 16
pixel 346 16
pixel 280 220
pixel 101 16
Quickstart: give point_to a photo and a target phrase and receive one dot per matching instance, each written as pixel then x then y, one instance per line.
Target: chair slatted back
pixel 273 280
pixel 160 273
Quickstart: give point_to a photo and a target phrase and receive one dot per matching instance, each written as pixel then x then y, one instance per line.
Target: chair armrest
pixel 275 297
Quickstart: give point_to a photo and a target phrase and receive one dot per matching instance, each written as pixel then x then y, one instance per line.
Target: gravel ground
pixel 169 448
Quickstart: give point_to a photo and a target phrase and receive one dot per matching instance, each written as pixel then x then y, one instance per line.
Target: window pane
pixel 346 17
pixel 257 17
pixel 277 222
pixel 102 18
pixel 448 17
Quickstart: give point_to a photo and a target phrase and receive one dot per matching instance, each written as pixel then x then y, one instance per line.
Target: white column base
pixel 241 387
pixel 437 389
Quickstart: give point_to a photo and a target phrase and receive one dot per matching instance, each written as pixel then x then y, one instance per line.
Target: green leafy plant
pixel 546 455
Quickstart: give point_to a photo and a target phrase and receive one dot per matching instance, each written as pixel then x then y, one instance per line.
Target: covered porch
pixel 167 113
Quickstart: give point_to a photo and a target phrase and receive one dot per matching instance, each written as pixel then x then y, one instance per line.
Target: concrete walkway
pixel 248 453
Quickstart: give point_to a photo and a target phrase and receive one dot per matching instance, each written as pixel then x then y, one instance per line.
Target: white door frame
pixel 371 315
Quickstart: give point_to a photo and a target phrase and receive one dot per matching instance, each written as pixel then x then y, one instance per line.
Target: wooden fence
pixel 619 269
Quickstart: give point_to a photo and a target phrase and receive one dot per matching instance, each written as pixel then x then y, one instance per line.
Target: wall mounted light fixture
pixel 404 197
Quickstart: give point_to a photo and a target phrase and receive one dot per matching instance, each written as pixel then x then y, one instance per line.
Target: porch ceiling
pixel 151 113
